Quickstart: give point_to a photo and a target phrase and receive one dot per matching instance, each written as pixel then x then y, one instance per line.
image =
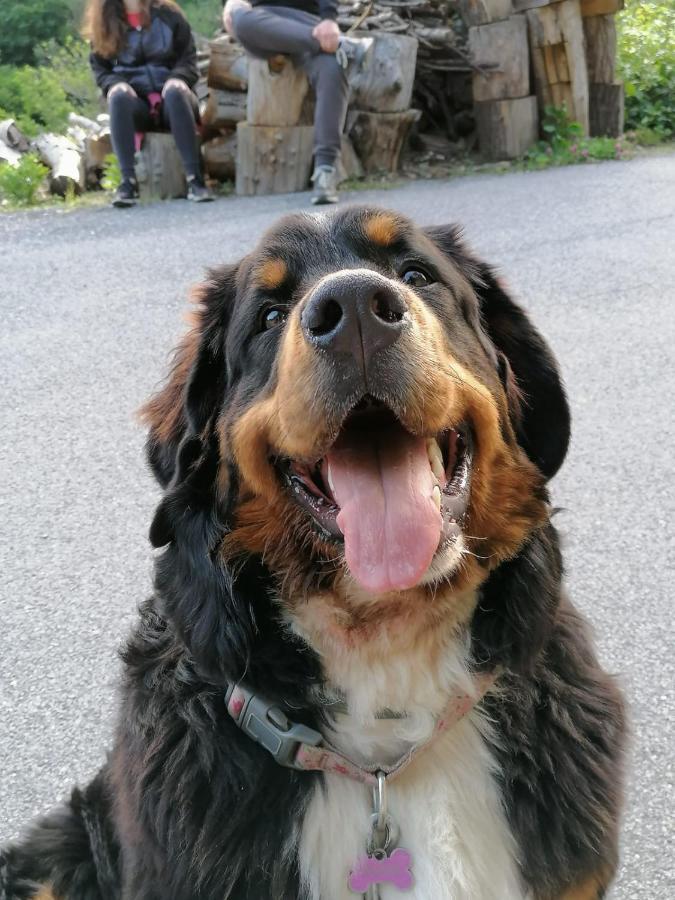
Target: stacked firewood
pixel 442 87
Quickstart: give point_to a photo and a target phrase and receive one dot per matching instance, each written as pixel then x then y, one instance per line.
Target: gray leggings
pixel 265 31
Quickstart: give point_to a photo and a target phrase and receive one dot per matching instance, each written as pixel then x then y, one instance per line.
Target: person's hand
pixel 175 83
pixel 122 88
pixel 228 9
pixel 327 34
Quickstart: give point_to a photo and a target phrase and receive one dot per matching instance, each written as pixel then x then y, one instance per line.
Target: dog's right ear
pixel 196 385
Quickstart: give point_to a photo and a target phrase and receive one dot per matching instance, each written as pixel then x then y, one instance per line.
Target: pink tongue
pixel 383 483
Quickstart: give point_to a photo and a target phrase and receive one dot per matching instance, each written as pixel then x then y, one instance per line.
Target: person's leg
pixel 329 81
pixel 178 112
pixel 265 31
pixel 127 115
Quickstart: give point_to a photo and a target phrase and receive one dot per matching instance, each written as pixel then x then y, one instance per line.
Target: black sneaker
pixel 126 194
pixel 197 191
pixel 325 181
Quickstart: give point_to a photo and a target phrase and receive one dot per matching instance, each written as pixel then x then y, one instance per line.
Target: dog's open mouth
pixel 395 499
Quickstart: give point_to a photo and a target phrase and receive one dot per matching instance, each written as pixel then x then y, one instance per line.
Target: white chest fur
pixel 446 803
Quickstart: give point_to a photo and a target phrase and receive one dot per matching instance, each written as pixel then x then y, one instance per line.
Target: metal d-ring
pixel 380 800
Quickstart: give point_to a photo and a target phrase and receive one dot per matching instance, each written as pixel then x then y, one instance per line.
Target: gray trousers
pixel 265 31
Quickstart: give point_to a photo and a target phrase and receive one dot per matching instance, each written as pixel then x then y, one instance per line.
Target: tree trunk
pixel 273 160
pixel 379 137
pixel 600 7
pixel 600 34
pixel 386 84
pixel 607 102
pixel 9 154
pixel 502 45
pixel 275 97
pixel 65 161
pixel 12 136
pixel 559 58
pixel 506 128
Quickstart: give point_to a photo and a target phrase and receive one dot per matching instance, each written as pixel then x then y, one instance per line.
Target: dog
pixel 359 672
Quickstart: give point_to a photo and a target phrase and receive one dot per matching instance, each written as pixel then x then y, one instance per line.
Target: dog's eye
pixel 416 277
pixel 272 317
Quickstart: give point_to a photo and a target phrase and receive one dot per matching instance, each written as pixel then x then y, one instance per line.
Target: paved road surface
pixel 90 302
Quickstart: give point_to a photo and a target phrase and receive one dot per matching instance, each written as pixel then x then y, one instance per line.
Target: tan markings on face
pixel 592 888
pixel 382 229
pixel 271 274
pixel 45 893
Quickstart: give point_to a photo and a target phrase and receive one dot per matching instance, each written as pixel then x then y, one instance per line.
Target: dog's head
pixel 360 405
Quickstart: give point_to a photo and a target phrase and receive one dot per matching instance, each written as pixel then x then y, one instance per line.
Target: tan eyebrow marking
pixel 381 229
pixel 272 274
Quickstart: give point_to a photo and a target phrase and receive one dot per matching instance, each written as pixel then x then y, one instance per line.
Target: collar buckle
pixel 267 724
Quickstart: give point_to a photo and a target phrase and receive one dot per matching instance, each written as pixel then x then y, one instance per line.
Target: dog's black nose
pixel 355 312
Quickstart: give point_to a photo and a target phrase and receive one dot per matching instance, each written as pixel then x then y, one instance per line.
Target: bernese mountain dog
pixel 359 673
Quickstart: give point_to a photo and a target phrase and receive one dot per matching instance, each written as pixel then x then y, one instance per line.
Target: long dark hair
pixel 105 23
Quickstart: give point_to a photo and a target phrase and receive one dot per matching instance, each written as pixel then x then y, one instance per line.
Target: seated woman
pixel 145 62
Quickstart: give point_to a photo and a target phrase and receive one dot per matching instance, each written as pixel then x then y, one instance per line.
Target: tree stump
pixel 482 12
pixel 606 109
pixel 523 5
pixel 159 168
pixel 228 65
pixel 273 160
pixel 275 97
pixel 378 138
pixel 96 148
pixel 504 45
pixel 220 157
pixel 350 165
pixel 386 84
pixel 559 59
pixel 600 7
pixel 506 128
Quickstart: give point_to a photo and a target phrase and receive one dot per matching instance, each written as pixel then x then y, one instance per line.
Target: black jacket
pixel 151 56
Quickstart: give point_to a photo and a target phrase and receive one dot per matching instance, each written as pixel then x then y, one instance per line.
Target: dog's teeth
pixel 436 496
pixel 330 480
pixel 435 458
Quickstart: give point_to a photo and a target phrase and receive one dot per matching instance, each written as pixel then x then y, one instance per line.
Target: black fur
pixel 189 808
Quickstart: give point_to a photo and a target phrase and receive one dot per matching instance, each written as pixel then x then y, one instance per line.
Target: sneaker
pixel 197 191
pixel 126 194
pixel 325 181
pixel 354 54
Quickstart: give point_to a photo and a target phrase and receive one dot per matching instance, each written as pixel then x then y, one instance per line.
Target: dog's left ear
pixel 541 415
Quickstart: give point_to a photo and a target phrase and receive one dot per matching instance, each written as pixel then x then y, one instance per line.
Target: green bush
pixel 204 16
pixel 70 64
pixel 28 23
pixel 19 184
pixel 564 143
pixel 647 64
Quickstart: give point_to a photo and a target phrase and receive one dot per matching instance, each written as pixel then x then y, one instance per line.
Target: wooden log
pixel 559 58
pixel 228 65
pixel 9 154
pixel 273 160
pixel 482 12
pixel 523 5
pixel 600 7
pixel 378 138
pixel 223 110
pixel 606 109
pixel 12 136
pixel 506 128
pixel 220 157
pixel 600 34
pixel 159 168
pixel 349 165
pixel 501 44
pixel 96 148
pixel 65 162
pixel 386 83
pixel 275 97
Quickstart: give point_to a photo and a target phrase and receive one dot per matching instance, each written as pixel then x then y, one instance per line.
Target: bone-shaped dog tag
pixel 382 869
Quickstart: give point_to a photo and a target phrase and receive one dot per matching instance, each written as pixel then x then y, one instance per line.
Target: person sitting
pixel 144 60
pixel 307 31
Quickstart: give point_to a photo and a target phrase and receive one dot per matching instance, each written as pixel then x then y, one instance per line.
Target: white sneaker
pixel 325 181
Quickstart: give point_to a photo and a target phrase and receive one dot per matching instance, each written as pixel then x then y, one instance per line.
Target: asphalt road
pixel 90 303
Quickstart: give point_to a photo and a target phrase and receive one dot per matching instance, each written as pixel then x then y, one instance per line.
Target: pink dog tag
pixel 382 869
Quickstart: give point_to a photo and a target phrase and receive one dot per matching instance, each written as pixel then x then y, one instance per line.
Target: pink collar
pixel 298 747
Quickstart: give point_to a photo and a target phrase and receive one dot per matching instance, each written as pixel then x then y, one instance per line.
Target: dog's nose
pixel 358 313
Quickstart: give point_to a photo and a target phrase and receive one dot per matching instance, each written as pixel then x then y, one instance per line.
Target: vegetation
pixel 647 65
pixel 28 23
pixel 564 143
pixel 19 184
